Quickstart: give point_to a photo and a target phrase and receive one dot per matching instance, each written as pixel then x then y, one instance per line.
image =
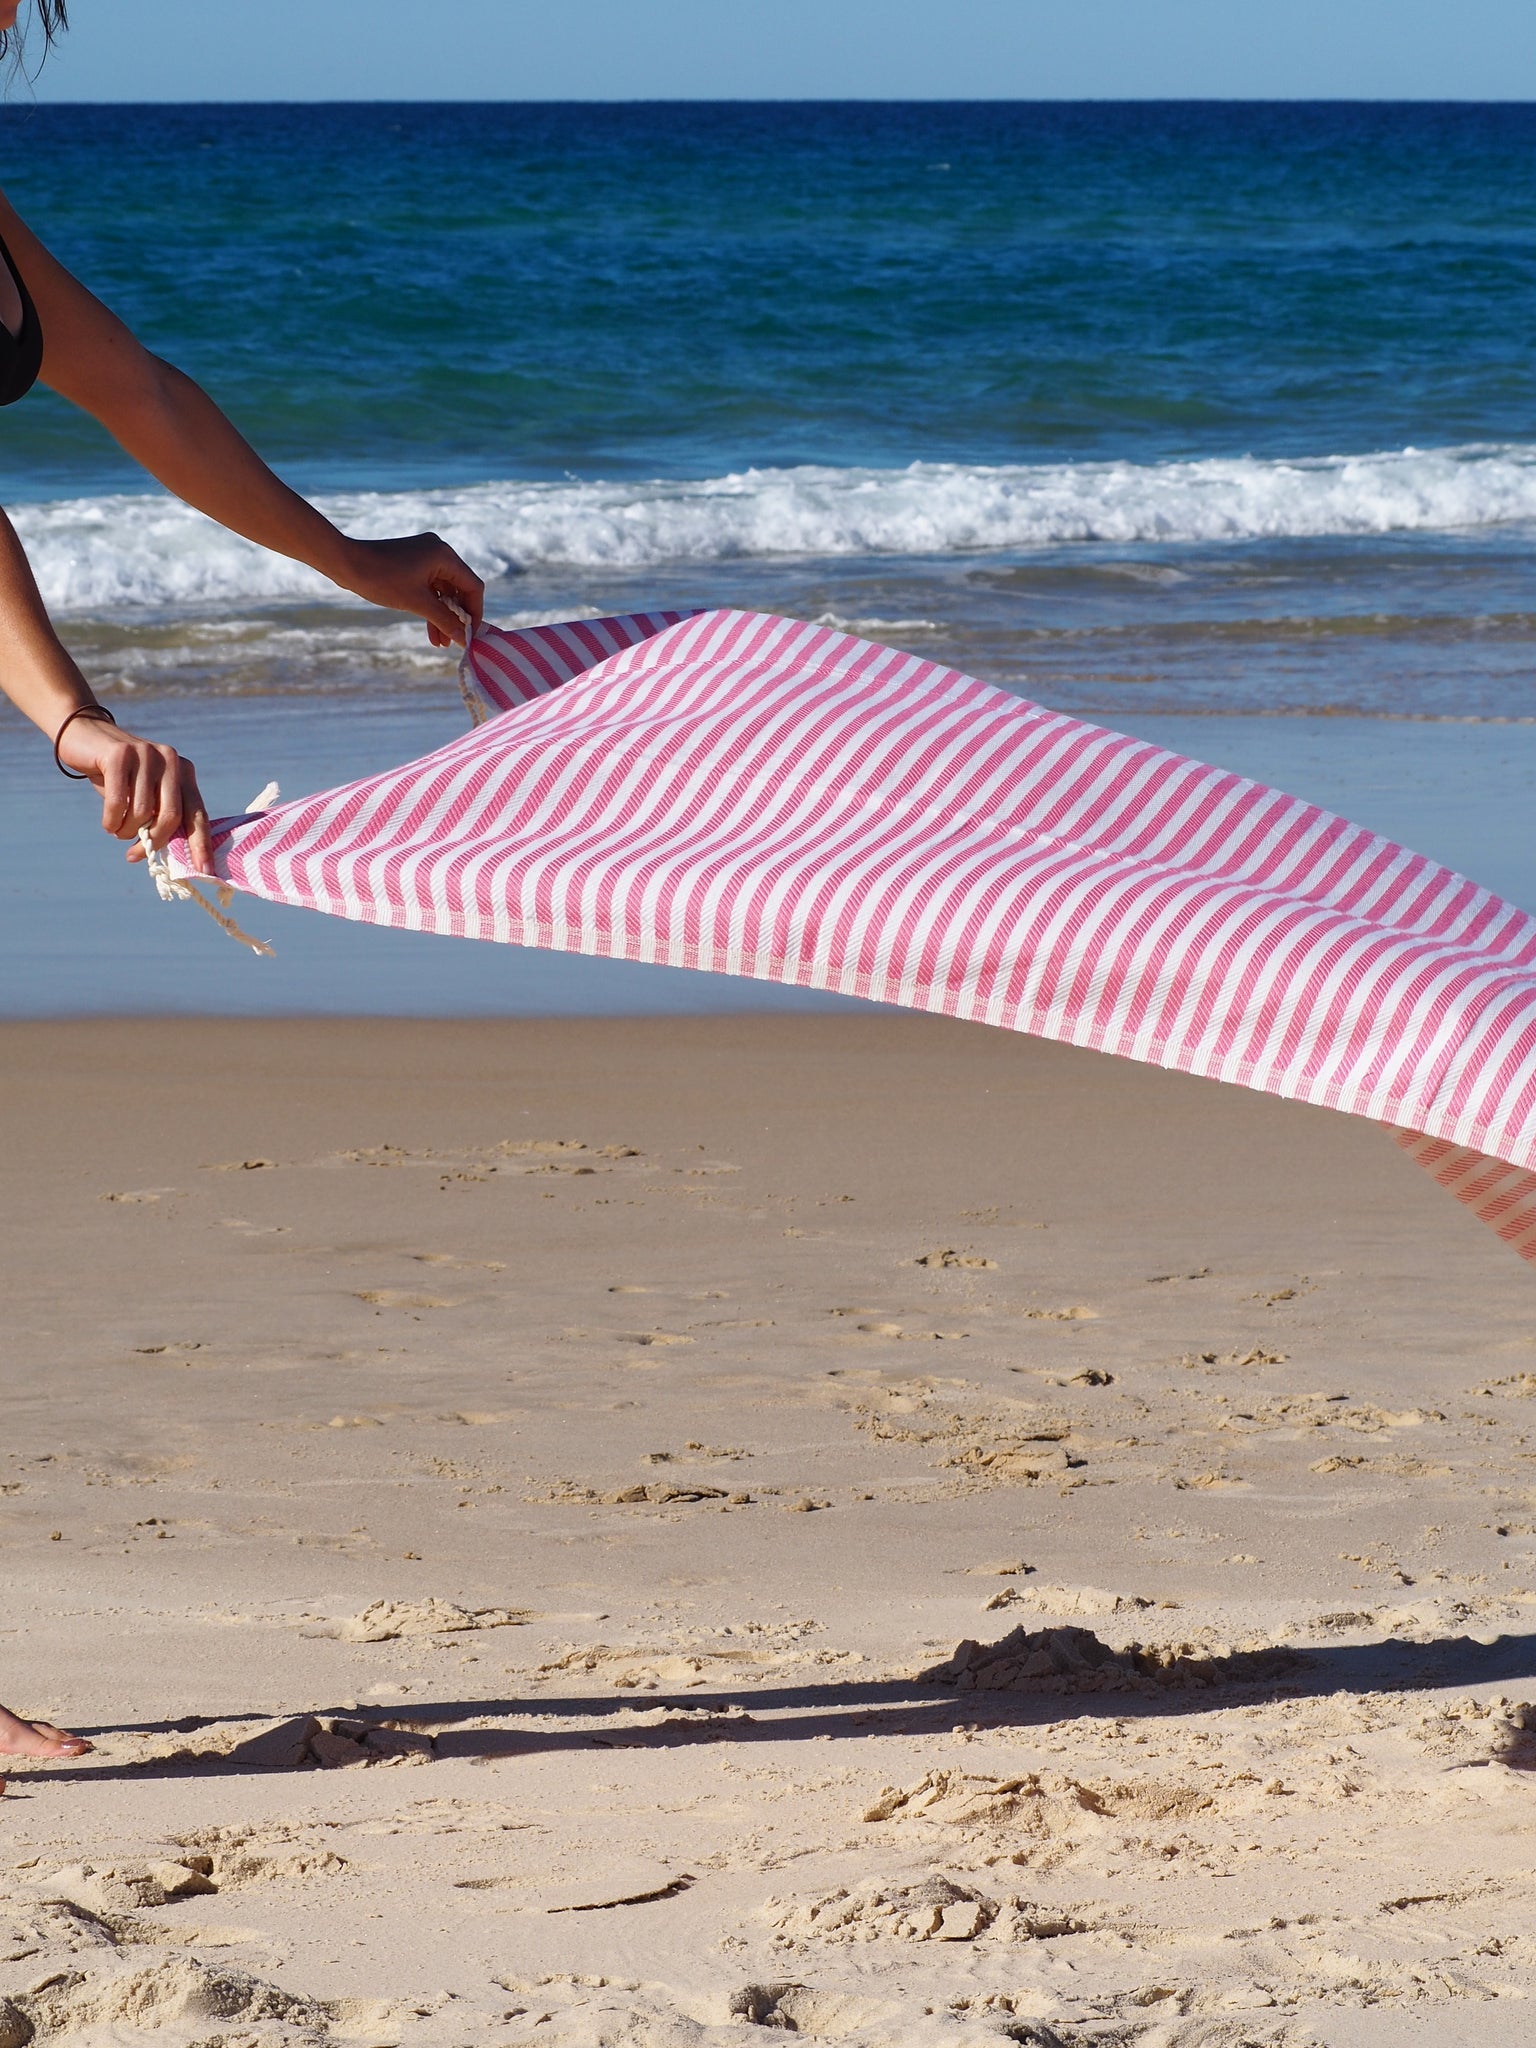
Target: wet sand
pixel 528 1512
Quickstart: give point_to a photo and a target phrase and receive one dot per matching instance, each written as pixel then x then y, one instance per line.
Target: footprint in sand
pixel 1090 1376
pixel 678 1293
pixel 395 1297
pixel 1271 1296
pixel 460 1265
pixel 173 1354
pixel 1257 1356
pixel 694 1453
pixel 872 1324
pixel 868 1322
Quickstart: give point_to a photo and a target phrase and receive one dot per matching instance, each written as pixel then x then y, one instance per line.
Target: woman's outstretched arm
pixel 171 426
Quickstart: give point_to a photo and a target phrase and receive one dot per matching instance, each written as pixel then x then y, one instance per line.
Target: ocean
pixel 1212 422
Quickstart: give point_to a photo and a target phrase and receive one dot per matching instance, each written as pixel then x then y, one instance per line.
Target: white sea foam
pixel 104 555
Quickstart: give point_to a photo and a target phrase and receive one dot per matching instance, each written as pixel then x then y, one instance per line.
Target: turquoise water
pixel 1190 413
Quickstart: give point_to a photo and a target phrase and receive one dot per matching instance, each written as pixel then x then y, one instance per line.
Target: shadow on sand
pixel 842 1709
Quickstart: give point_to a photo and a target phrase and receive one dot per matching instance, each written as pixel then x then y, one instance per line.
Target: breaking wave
pixel 106 554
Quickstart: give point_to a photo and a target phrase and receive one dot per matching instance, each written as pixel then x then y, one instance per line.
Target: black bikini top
pixel 21 354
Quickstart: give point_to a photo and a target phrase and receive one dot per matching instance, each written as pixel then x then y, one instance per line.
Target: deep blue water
pixel 409 296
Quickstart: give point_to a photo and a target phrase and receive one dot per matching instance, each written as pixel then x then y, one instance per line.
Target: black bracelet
pixel 80 711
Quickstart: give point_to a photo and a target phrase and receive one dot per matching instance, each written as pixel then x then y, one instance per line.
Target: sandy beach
pixel 588 1505
pixel 642 1531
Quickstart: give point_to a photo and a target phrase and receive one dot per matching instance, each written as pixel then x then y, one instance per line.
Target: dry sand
pixel 645 1532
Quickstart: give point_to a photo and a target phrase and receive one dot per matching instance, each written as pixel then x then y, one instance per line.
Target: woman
pixel 53 329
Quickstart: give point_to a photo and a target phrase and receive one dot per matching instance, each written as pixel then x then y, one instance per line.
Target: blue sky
pixel 794 49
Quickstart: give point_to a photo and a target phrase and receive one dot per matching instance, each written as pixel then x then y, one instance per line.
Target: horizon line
pixel 33 102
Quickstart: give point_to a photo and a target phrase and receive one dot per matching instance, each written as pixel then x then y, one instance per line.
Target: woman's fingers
pixel 453 580
pixel 156 780
pixel 144 805
pixel 114 776
pixel 142 798
pixel 168 797
pixel 461 582
pixel 444 627
pixel 194 821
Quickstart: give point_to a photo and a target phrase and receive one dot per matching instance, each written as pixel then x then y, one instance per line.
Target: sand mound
pixel 166 1993
pixel 267 1854
pixel 656 1493
pixel 1040 1802
pixel 646 1728
pixel 305 1741
pixel 740 1651
pixel 863 2019
pixel 935 1908
pixel 1074 1660
pixel 129 1886
pixel 386 1620
pixel 1067 1600
pixel 641 1670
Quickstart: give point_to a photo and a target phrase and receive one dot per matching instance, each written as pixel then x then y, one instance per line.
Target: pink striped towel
pixel 751 795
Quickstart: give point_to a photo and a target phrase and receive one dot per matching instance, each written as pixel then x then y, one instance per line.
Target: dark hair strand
pixel 52 17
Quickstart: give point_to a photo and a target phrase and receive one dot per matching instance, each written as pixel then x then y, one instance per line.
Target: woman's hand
pixel 142 784
pixel 415 574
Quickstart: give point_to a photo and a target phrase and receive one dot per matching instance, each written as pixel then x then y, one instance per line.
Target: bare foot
pixel 36 1739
